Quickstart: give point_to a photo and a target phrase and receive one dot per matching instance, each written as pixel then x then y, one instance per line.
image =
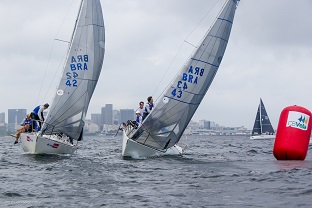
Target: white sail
pixel 164 126
pixel 81 73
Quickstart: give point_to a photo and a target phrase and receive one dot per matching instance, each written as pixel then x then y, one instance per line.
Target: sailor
pixel 141 108
pixel 37 113
pixel 138 118
pixel 28 126
pixel 148 106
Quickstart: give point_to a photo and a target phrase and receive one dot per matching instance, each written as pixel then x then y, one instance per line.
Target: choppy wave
pixel 215 171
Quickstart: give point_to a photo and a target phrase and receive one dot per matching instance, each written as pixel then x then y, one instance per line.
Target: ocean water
pixel 215 171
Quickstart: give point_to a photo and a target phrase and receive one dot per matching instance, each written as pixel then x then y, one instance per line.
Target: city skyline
pixel 97 116
pixel 266 57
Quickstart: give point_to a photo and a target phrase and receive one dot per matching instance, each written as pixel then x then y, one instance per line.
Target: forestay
pixel 81 73
pixel 166 123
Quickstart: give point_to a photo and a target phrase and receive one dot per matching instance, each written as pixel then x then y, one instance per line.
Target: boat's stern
pixel 42 144
pixel 28 142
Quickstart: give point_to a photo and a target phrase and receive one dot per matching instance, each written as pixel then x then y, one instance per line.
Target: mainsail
pixel 81 73
pixel 262 123
pixel 166 123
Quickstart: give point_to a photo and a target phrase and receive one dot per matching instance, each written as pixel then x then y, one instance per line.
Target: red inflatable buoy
pixel 293 134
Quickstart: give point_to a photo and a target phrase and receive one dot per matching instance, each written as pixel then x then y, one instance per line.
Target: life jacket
pixel 138 119
pixel 150 106
pixel 35 111
pixel 28 121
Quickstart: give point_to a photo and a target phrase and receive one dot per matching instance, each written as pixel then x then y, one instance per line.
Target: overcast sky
pixel 269 54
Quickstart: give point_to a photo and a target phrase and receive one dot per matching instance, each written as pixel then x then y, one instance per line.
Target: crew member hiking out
pixel 28 126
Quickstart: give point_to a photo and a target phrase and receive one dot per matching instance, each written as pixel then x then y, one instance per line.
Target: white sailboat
pixel 262 128
pixel 65 120
pixel 163 127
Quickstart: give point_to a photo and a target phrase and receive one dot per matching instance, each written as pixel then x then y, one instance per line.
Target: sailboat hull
pixel 132 149
pixel 34 144
pixel 263 136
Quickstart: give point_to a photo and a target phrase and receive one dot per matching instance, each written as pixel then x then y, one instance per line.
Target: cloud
pixel 147 42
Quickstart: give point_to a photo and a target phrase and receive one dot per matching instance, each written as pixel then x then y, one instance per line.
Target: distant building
pixel 228 130
pixel 107 114
pixel 116 117
pixel 204 124
pixel 3 129
pixel 96 118
pixel 15 117
pixel 91 127
pixel 126 114
pixel 2 117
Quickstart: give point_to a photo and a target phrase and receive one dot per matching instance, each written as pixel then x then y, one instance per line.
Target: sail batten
pixel 163 127
pixel 183 101
pixel 225 20
pixel 205 62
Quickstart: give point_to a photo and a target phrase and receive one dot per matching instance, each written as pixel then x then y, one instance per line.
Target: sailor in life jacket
pixel 138 118
pixel 148 106
pixel 141 107
pixel 28 126
pixel 37 113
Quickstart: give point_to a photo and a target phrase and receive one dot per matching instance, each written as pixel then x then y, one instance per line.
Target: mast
pixel 74 30
pixel 76 22
pixel 68 50
pixel 80 74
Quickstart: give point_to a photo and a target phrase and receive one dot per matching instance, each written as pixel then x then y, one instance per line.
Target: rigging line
pixel 60 121
pixel 73 93
pixel 177 122
pixel 45 72
pixel 191 94
pixel 173 107
pixel 62 40
pixel 202 19
pixel 177 105
pixel 168 69
pixel 177 74
pixel 190 44
pixel 184 108
pixel 170 83
pixel 149 135
pixel 198 60
pixel 144 143
pixel 46 69
pixel 56 71
pixel 178 112
pixel 180 50
pixel 73 103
